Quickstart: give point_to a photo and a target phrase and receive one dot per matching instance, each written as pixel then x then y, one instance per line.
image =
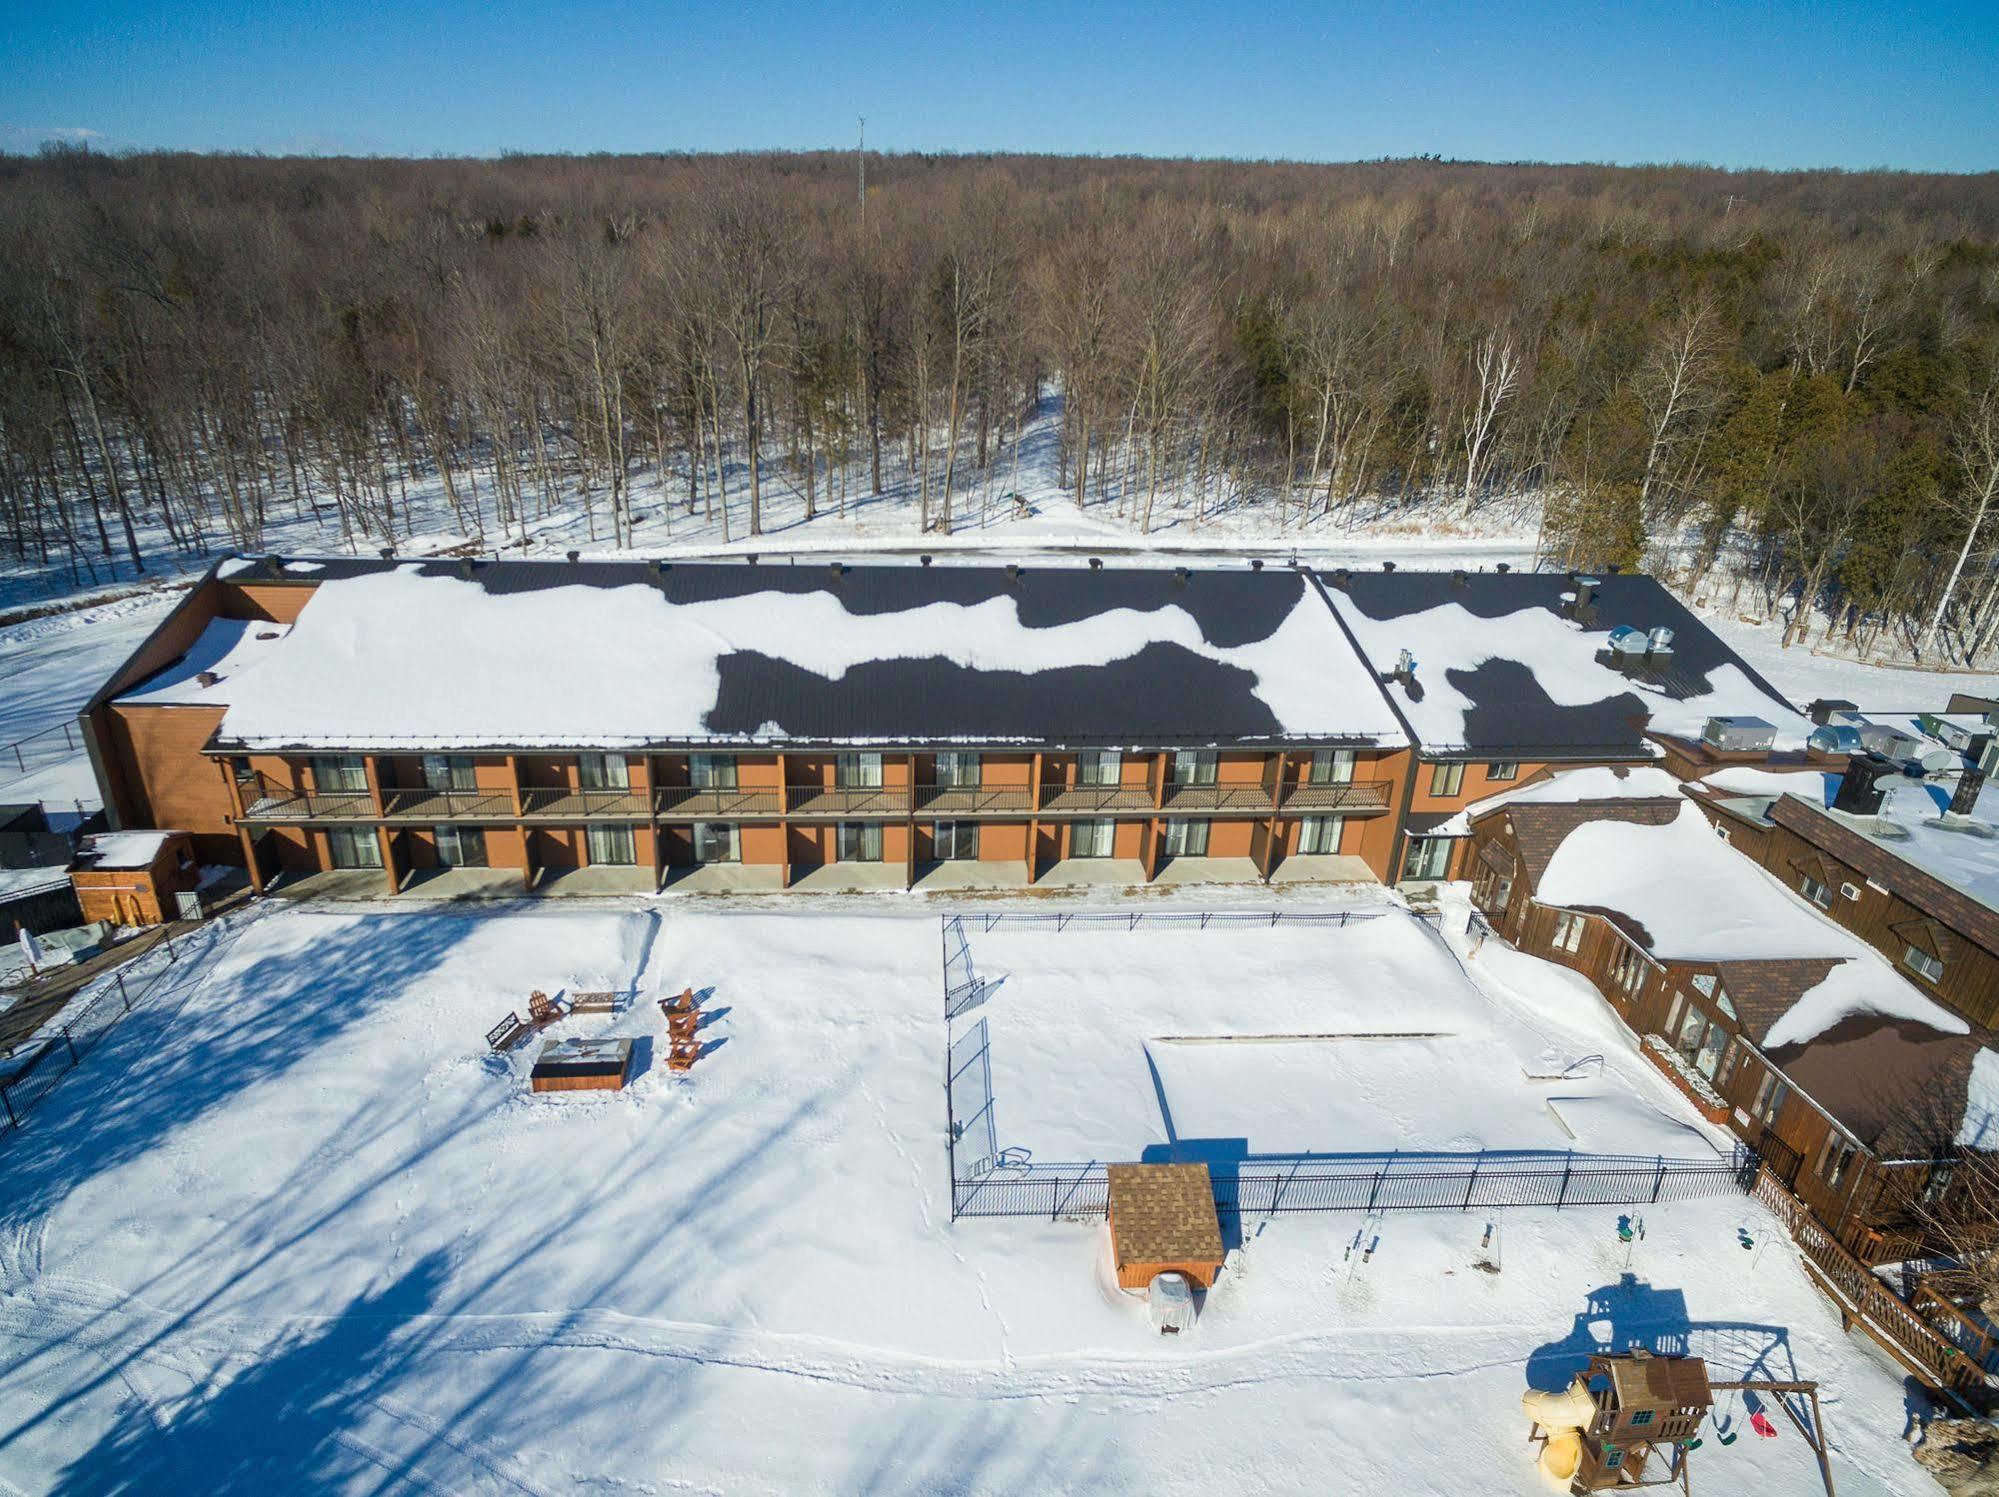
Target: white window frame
pixel 610 845
pixel 1099 766
pixel 857 770
pixel 1926 965
pixel 1320 836
pixel 1494 775
pixel 711 771
pixel 1815 891
pixel 858 841
pixel 1331 767
pixel 1186 837
pixel 1421 852
pixel 701 838
pixel 1093 838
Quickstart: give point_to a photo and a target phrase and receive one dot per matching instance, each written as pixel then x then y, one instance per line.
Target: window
pixel 1502 769
pixel 1627 969
pixel 447 772
pixel 1446 779
pixel 603 772
pixel 711 771
pixel 1194 767
pixel 1938 1182
pixel 1673 1014
pixel 1428 857
pixel 860 841
pixel 1186 838
pixel 1098 767
pixel 1721 831
pixel 1320 834
pixel 1568 931
pixel 612 844
pixel 1771 1095
pixel 1723 1002
pixel 955 841
pixel 1707 1059
pixel 1836 1160
pixel 1092 839
pixel 1492 890
pixel 858 771
pixel 354 847
pixel 1815 891
pixel 1922 964
pixel 460 847
pixel 339 772
pixel 960 768
pixel 1331 767
pixel 1730 1059
pixel 715 842
pixel 1641 1416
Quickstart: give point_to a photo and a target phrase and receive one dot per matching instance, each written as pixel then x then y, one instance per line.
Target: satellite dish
pixel 1937 760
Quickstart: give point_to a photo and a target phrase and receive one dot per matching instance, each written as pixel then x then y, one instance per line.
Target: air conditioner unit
pixel 1849 891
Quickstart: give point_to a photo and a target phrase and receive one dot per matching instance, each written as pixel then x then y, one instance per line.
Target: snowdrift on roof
pixel 396 658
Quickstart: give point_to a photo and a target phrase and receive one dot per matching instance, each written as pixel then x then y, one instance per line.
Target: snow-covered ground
pixel 306 1234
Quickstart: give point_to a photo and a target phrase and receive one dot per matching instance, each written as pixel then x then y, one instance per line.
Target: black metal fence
pixel 1143 919
pixel 31 1073
pixel 1457 1183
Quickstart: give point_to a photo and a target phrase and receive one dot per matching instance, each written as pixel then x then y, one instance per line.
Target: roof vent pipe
pixel 1388 566
pixel 924 558
pixel 574 556
pixel 1096 563
pixel 388 553
pixel 466 569
pixel 1256 563
pixel 1013 571
pixel 1341 577
pixel 1503 568
pixel 750 557
pixel 1180 575
pixel 1460 577
pixel 837 568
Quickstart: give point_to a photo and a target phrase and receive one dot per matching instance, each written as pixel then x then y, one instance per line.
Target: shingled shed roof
pixel 1163 1213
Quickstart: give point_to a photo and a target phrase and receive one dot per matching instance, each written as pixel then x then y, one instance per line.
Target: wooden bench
pixel 593 1003
pixel 508 1033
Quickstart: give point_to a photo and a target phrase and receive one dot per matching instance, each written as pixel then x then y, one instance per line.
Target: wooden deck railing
pixel 1896 1326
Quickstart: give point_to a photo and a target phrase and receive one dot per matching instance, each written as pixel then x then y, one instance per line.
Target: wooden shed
pixel 134 878
pixel 1163 1220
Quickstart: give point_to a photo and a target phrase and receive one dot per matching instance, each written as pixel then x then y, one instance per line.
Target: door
pixel 715 842
pixel 955 841
pixel 354 847
pixel 460 847
pixel 603 772
pixel 860 841
pixel 611 844
pixel 1320 834
pixel 1186 838
pixel 1092 839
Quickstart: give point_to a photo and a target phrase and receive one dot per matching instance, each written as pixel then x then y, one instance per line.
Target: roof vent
pixel 1658 643
pixel 661 568
pixel 1180 575
pixel 388 553
pixel 837 568
pixel 750 557
pixel 1341 577
pixel 1388 566
pixel 275 562
pixel 466 568
pixel 924 558
pixel 1256 563
pixel 1013 571
pixel 206 678
pixel 1626 642
pixel 574 555
pixel 1503 568
pixel 1460 577
pixel 1096 563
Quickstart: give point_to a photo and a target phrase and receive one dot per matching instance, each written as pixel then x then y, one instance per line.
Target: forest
pixel 1785 382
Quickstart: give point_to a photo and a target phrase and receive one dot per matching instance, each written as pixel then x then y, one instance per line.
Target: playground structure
pixel 1626 1411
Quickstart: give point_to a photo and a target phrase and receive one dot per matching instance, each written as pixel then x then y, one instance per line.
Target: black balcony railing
pixel 700 802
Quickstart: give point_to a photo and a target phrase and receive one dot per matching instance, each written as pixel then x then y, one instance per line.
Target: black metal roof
pixel 1511 712
pixel 1164 694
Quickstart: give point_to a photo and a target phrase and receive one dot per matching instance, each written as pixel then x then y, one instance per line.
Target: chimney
pixel 1859 792
pixel 1965 796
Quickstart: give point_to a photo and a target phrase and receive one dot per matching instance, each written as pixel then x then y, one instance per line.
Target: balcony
pixel 1354 798
pixel 705 803
pixel 436 806
pixel 276 804
pixel 848 800
pixel 560 803
pixel 1097 800
pixel 973 800
pixel 1250 799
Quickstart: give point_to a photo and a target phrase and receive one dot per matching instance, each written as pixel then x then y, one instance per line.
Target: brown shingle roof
pixel 1539 827
pixel 1900 1088
pixel 1764 991
pixel 1975 921
pixel 1163 1213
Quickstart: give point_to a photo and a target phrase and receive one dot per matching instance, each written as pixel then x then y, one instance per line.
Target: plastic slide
pixel 1564 1416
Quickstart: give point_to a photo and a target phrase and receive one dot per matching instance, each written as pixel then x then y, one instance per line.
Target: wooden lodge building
pixel 1852 1076
pixel 625 726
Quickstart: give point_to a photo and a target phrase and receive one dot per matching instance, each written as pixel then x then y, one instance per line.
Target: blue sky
pixel 1733 84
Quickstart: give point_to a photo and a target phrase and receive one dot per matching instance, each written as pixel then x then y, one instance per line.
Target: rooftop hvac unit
pixel 1658 641
pixel 1627 641
pixel 1739 735
pixel 1951 734
pixel 1836 738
